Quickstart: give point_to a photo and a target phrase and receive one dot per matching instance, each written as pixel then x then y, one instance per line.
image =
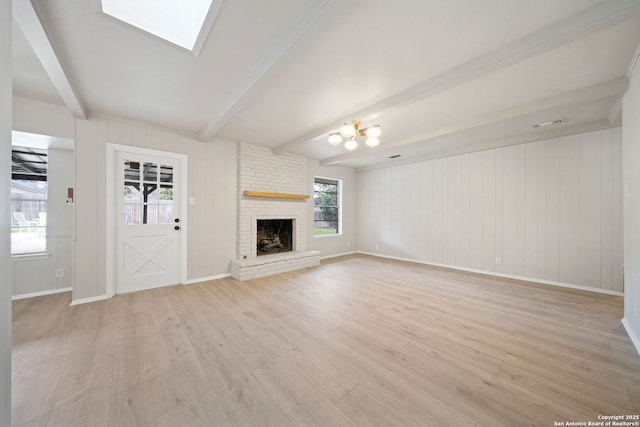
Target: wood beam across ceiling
pixel 249 86
pixel 27 18
pixel 505 142
pixel 584 23
pixel 591 93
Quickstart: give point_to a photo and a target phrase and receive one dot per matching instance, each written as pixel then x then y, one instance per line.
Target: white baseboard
pixel 39 294
pixel 103 297
pixel 337 255
pixel 88 300
pixel 206 279
pixel 506 276
pixel 634 338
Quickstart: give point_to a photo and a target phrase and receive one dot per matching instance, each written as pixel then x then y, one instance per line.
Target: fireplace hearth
pixel 274 236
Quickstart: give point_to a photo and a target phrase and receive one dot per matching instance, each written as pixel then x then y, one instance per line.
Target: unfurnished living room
pixel 320 213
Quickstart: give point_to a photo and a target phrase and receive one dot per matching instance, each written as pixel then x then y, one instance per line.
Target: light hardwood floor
pixel 358 341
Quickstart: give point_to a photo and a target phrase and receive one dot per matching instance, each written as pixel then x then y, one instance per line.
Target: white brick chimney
pixel 261 170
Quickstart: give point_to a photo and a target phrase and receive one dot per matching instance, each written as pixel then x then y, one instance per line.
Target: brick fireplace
pixel 262 171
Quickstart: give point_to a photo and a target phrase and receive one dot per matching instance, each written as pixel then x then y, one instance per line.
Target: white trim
pixel 110 221
pixel 634 338
pixel 212 14
pixel 337 255
pixel 110 214
pixel 634 61
pixel 88 300
pixel 339 185
pixel 615 110
pixel 206 279
pixel 30 257
pixel 506 276
pixel 42 293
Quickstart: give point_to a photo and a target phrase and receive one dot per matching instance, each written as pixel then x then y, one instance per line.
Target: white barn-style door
pixel 148 222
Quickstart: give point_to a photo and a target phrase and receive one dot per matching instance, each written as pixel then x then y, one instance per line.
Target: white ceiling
pixel 440 77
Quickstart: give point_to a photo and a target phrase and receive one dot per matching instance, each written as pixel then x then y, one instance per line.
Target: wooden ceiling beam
pixel 29 22
pixel 584 23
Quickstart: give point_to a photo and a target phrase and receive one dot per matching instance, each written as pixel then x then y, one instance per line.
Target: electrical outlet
pixel 498 260
pixel 377 247
pixel 348 244
pixel 634 309
pixel 59 273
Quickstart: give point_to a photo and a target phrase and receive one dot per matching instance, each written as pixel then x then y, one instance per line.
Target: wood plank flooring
pixel 358 341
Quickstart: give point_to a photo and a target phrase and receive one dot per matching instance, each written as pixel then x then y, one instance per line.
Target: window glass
pixel 326 212
pixel 28 200
pixel 148 193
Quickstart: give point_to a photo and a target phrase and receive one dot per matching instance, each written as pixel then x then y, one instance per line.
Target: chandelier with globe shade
pixel 350 131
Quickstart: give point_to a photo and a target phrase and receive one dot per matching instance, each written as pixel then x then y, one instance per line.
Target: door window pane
pixel 132 214
pixel 150 172
pixel 166 174
pixel 148 193
pixel 151 193
pixel 152 214
pixel 131 192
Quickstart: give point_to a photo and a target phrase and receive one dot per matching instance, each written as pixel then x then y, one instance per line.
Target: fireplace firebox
pixel 274 236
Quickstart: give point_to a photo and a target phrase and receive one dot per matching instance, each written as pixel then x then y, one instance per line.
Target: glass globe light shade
pixel 373 131
pixel 347 130
pixel 372 141
pixel 351 144
pixel 335 139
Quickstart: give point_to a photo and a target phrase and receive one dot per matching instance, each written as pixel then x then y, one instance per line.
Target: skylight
pixel 177 21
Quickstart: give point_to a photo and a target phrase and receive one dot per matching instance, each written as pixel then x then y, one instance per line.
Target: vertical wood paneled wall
pixel 631 178
pixel 550 210
pixel 212 184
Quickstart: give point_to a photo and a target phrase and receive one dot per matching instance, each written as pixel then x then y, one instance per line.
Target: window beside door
pixel 28 200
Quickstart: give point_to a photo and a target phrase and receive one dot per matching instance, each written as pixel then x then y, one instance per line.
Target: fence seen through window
pixel 326 212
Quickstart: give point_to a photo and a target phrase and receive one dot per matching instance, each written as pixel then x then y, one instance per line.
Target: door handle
pixel 176 220
pixel 177 227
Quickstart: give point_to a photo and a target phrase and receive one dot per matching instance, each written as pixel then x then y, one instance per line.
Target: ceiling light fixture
pixel 351 131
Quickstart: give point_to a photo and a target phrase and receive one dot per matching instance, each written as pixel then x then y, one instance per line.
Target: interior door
pixel 148 223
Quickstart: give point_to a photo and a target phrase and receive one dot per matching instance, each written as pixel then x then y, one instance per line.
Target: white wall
pixel 348 240
pixel 36 275
pixel 212 183
pixel 5 224
pixel 631 155
pixel 551 210
pixel 42 118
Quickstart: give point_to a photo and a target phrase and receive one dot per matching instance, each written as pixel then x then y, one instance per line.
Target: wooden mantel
pixel 275 195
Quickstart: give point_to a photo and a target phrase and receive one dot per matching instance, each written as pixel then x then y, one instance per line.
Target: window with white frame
pixel 28 200
pixel 327 195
